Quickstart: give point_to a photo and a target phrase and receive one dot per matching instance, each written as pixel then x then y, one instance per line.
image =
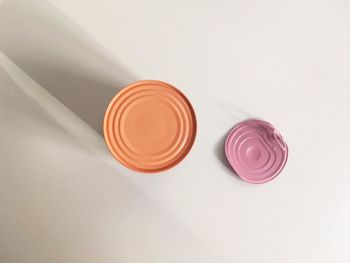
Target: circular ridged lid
pixel 256 151
pixel 149 126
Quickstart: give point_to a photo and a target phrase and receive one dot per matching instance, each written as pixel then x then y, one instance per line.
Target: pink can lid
pixel 256 151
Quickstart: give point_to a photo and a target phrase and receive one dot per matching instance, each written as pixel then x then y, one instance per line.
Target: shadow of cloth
pixel 62 58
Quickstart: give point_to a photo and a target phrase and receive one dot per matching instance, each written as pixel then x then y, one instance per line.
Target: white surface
pixel 64 199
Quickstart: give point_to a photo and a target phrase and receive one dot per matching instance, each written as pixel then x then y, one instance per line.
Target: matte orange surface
pixel 149 126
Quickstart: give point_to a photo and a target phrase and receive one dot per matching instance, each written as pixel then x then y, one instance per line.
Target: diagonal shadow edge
pixel 62 58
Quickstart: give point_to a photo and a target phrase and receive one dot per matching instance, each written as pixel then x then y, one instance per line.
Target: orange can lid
pixel 149 126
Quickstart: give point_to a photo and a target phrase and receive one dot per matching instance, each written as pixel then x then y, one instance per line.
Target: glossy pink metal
pixel 256 151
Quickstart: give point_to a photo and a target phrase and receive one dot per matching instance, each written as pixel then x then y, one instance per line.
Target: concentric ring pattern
pixel 256 151
pixel 149 126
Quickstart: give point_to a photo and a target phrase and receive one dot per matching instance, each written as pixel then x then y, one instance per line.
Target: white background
pixel 63 198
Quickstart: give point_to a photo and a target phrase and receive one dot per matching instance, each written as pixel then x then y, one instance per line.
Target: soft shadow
pixel 219 151
pixel 235 114
pixel 57 207
pixel 62 58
